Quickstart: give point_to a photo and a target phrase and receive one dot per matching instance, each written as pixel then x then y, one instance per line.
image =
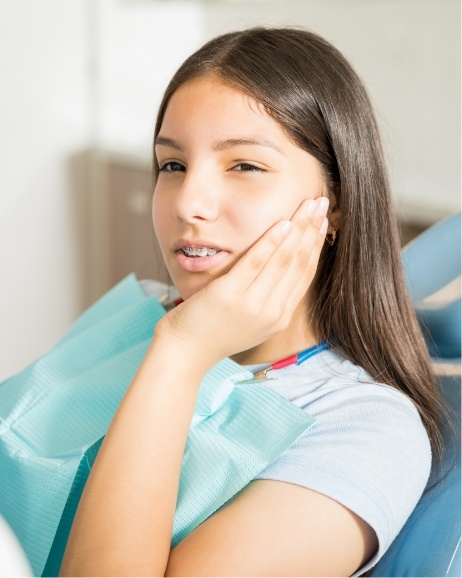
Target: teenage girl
pixel 273 211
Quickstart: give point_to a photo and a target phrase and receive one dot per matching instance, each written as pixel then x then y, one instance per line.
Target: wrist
pixel 177 351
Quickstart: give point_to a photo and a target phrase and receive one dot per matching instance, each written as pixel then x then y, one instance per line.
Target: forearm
pixel 124 522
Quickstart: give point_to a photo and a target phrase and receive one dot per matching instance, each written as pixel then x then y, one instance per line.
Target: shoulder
pixel 345 399
pixel 353 410
pixel 368 449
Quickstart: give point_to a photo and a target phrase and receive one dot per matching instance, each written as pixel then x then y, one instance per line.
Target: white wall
pixel 43 118
pixel 141 43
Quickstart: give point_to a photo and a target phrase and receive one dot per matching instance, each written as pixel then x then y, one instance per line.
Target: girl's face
pixel 227 173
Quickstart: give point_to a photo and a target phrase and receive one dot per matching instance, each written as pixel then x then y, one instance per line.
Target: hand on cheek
pixel 257 297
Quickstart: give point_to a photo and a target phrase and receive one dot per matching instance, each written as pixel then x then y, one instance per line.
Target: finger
pixel 306 256
pixel 306 279
pixel 289 262
pixel 247 269
pixel 295 288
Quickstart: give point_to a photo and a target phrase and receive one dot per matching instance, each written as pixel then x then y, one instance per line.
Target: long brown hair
pixel 360 296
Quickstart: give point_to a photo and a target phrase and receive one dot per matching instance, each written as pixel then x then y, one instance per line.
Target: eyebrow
pixel 222 145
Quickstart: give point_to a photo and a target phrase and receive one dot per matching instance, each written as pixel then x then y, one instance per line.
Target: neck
pixel 295 338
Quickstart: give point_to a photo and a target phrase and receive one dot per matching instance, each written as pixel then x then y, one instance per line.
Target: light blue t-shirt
pixel 368 449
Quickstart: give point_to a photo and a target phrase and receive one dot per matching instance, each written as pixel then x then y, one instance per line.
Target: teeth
pixel 199 251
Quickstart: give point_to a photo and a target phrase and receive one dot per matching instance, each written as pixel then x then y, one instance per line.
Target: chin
pixel 187 283
pixel 188 287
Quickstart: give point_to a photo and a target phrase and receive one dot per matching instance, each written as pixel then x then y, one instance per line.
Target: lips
pixel 198 255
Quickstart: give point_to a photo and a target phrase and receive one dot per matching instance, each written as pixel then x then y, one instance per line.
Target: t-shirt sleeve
pixel 370 452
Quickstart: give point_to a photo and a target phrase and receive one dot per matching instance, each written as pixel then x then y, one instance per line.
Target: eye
pixel 247 167
pixel 171 167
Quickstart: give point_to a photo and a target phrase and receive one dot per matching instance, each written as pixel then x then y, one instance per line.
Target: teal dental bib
pixel 54 414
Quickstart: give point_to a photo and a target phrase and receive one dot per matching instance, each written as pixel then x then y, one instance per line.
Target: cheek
pixel 253 215
pixel 252 219
pixel 159 213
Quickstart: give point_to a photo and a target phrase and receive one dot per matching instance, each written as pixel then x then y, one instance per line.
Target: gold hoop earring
pixel 330 237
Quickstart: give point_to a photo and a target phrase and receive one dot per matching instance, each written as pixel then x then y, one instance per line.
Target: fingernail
pixel 309 208
pixel 285 227
pixel 323 205
pixel 323 228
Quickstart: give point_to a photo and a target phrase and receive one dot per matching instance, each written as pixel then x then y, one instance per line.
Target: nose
pixel 197 199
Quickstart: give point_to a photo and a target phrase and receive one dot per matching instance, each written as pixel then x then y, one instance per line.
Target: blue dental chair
pixel 429 543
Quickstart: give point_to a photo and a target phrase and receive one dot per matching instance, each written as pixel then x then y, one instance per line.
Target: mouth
pixel 198 257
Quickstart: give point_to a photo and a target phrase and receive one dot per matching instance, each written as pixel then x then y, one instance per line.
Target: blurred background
pixel 80 84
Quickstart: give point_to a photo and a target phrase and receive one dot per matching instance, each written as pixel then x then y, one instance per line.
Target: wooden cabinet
pixel 116 227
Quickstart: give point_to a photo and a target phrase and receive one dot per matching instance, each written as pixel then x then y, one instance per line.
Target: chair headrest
pixel 432 267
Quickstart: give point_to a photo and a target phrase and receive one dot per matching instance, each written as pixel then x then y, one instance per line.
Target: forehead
pixel 208 105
